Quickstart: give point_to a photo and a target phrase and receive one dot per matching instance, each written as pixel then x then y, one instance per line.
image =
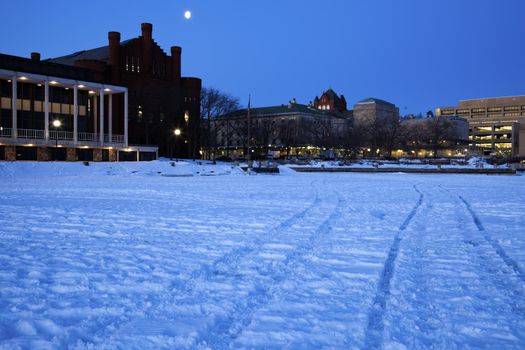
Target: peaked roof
pixel 99 54
pixel 332 96
pixel 375 100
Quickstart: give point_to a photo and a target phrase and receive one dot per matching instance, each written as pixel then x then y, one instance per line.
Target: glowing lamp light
pixel 177 132
pixel 53 82
pixel 91 92
pixel 23 78
pixel 81 86
pixel 56 123
pixel 187 14
pixel 107 89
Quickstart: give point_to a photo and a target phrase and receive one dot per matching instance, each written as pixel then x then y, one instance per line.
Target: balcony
pixel 66 138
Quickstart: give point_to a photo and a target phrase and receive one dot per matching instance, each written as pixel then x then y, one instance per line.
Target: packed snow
pixel 171 255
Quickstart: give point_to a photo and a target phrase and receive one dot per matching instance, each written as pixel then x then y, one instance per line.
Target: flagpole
pixel 249 155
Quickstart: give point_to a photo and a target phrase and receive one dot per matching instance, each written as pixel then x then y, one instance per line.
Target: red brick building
pixel 160 99
pixel 330 101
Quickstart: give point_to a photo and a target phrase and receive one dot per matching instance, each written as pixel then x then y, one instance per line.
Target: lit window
pixel 186 117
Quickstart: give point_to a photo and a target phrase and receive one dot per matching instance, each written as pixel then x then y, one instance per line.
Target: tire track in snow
pixel 495 245
pixel 510 291
pixel 208 272
pixel 375 326
pixel 232 257
pixel 223 332
pixel 446 286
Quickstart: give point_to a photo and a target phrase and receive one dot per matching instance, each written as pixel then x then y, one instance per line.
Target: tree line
pixel 352 136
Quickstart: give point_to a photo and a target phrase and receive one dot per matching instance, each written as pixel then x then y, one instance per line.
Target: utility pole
pixel 249 155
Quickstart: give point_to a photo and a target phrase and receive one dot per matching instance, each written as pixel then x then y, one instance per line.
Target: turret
pixel 176 62
pixel 114 55
pixel 147 41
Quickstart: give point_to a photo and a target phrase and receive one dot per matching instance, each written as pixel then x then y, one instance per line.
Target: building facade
pixel 160 99
pixel 434 136
pixel 291 129
pixel 55 112
pixel 496 125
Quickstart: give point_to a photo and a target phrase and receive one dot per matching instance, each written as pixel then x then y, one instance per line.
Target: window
pixel 483 128
pixel 186 117
pixel 494 109
pixel 463 111
pixel 478 110
pixel 512 108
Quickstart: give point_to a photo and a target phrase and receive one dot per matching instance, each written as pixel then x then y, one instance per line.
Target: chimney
pixel 147 40
pixel 35 56
pixel 114 55
pixel 175 62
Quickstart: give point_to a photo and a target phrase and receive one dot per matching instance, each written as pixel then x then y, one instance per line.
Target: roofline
pixel 490 98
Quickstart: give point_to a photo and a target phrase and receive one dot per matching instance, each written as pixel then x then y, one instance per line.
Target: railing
pixel 5 132
pixel 82 137
pixel 60 135
pixel 87 136
pixel 30 134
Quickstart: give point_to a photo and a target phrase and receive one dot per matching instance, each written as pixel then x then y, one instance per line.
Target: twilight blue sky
pixel 418 54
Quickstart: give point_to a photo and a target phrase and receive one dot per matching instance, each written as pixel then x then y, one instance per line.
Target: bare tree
pixel 214 103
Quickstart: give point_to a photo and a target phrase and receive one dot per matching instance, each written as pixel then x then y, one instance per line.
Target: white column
pixel 75 113
pixel 110 118
pixel 126 117
pixel 46 109
pixel 95 117
pixel 102 115
pixel 138 155
pixel 14 99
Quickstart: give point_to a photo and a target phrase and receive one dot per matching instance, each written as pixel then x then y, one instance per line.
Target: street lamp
pixel 177 132
pixel 56 125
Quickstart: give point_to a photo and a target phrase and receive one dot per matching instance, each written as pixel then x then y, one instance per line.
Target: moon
pixel 187 14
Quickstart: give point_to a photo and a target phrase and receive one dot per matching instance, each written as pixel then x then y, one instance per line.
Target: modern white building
pixel 52 112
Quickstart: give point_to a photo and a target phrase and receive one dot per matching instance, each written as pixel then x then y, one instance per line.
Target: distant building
pixel 291 129
pixel 496 125
pixel 441 136
pixel 378 120
pixel 330 101
pixel 375 109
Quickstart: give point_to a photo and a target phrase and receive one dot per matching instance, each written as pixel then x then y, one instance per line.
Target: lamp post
pixel 56 125
pixel 177 132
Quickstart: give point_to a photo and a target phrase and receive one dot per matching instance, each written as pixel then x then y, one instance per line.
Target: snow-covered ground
pixel 143 255
pixel 402 163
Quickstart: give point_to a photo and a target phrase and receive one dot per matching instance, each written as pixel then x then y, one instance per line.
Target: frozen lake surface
pixel 118 256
